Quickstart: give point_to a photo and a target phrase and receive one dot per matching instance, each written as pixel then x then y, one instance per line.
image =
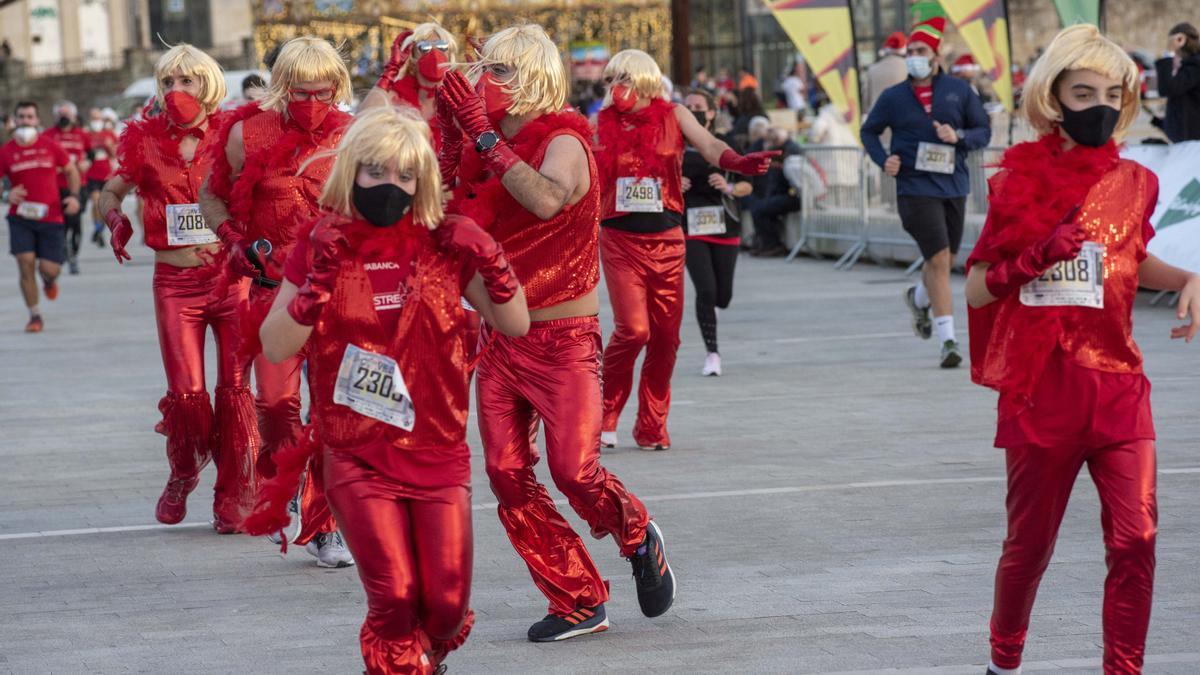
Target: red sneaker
pixel 35 324
pixel 51 290
pixel 172 505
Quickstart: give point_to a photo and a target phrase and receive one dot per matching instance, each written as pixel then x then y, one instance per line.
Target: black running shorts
pixel 935 223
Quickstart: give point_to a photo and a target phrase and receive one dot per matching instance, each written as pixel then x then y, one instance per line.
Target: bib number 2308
pixel 1078 282
pixel 371 385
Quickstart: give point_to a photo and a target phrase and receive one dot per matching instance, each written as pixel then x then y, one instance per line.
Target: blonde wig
pixel 433 32
pixel 191 62
pixel 379 137
pixel 1080 47
pixel 638 69
pixel 539 80
pixel 306 59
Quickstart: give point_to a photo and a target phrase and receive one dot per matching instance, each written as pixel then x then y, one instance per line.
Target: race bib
pixel 935 157
pixel 1075 283
pixel 370 384
pixel 185 226
pixel 32 210
pixel 641 195
pixel 706 220
pixel 100 154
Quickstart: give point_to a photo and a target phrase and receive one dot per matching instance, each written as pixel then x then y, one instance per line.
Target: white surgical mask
pixel 25 135
pixel 96 125
pixel 918 66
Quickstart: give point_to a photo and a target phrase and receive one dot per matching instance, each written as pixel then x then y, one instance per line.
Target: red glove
pixel 391 71
pixel 121 230
pixel 235 250
pixel 469 111
pixel 461 235
pixel 753 164
pixel 452 140
pixel 328 247
pixel 1064 243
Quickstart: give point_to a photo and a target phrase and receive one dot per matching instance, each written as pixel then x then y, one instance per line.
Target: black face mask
pixel 64 122
pixel 701 117
pixel 382 205
pixel 1092 126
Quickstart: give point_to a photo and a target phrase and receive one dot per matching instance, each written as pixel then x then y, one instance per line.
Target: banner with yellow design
pixel 823 32
pixel 983 24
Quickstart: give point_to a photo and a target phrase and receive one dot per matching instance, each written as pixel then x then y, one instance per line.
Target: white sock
pixel 35 311
pixel 1003 671
pixel 921 296
pixel 944 326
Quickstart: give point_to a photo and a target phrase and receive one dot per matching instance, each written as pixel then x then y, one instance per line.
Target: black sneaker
pixel 655 580
pixel 921 323
pixel 582 621
pixel 950 356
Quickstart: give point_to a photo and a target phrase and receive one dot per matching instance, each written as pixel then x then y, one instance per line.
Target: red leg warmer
pixel 235 446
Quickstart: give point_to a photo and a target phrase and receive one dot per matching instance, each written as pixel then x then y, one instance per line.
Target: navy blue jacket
pixel 954 103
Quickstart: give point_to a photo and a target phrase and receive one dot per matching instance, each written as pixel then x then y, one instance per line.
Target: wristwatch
pixel 960 134
pixel 486 141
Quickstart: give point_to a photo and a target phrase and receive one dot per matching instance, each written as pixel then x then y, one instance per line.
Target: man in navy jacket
pixel 935 120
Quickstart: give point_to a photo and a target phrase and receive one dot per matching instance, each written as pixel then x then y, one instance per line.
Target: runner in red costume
pixel 102 141
pixel 640 155
pixel 1051 286
pixel 165 158
pixel 75 142
pixel 261 190
pixel 372 291
pixel 419 62
pixel 528 177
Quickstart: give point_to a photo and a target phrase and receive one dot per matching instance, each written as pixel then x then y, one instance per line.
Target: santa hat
pixel 896 41
pixel 929 32
pixel 965 63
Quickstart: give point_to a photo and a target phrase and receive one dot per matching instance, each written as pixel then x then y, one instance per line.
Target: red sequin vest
pixel 646 143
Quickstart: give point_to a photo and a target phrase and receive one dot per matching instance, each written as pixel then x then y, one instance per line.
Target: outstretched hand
pixel 1188 308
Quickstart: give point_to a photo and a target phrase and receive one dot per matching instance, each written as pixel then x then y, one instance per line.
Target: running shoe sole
pixel 921 324
pixel 657 447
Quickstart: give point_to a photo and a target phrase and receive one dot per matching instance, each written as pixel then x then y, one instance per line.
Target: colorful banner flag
pixel 823 32
pixel 983 24
pixel 1071 12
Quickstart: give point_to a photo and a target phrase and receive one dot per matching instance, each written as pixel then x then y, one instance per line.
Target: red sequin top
pixel 557 260
pixel 646 143
pixel 149 159
pixel 426 343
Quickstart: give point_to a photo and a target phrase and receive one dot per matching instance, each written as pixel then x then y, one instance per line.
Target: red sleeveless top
pixel 426 343
pixel 643 144
pixel 148 152
pixel 557 260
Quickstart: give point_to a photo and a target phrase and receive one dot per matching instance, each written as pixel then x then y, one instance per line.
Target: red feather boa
pixel 645 128
pixel 270 508
pixel 220 179
pixel 131 145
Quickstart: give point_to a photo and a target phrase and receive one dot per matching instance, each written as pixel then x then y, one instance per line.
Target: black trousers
pixel 711 268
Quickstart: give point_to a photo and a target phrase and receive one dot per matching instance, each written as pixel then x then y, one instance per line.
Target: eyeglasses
pixel 322 95
pixel 426 46
pixel 620 79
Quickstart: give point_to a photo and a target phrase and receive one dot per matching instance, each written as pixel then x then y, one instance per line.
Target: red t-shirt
pixel 74 142
pixel 103 144
pixel 925 96
pixel 388 277
pixel 36 168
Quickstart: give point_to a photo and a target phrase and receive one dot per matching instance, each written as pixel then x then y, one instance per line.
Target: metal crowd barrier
pixel 848 206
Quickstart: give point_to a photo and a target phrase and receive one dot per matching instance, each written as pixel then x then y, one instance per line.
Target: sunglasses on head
pixel 426 46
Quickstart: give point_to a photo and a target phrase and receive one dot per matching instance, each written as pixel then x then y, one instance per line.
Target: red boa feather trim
pixel 220 178
pixel 270 508
pixel 131 146
pixel 645 128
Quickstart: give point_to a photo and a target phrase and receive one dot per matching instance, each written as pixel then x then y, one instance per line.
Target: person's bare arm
pixel 710 147
pixel 73 181
pixel 281 336
pixel 978 294
pixel 112 195
pixel 562 179
pixel 510 318
pixel 215 210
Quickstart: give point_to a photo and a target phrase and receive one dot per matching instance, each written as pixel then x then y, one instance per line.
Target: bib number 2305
pixel 1078 282
pixel 371 385
pixel 639 195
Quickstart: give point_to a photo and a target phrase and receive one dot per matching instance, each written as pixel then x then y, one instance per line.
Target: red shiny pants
pixel 553 373
pixel 277 387
pixel 1039 484
pixel 184 313
pixel 644 275
pixel 413 549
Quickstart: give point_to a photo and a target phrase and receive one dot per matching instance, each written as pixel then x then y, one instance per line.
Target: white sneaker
pixel 608 439
pixel 712 365
pixel 293 529
pixel 330 550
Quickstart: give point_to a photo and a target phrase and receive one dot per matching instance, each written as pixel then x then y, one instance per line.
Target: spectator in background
pixel 792 87
pixel 748 106
pixel 746 79
pixel 889 70
pixel 724 80
pixel 757 130
pixel 254 87
pixel 1179 81
pixel 773 196
pixel 702 81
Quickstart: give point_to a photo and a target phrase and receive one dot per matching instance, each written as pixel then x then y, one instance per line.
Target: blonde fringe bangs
pixel 189 60
pixel 539 82
pixel 306 59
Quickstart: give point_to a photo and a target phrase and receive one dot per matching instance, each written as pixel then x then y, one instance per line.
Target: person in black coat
pixel 1179 81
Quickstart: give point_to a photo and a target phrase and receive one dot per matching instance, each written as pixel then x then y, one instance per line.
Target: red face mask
pixel 308 115
pixel 431 65
pixel 623 98
pixel 495 98
pixel 182 107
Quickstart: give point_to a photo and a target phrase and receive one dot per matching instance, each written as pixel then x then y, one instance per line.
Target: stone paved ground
pixel 832 505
